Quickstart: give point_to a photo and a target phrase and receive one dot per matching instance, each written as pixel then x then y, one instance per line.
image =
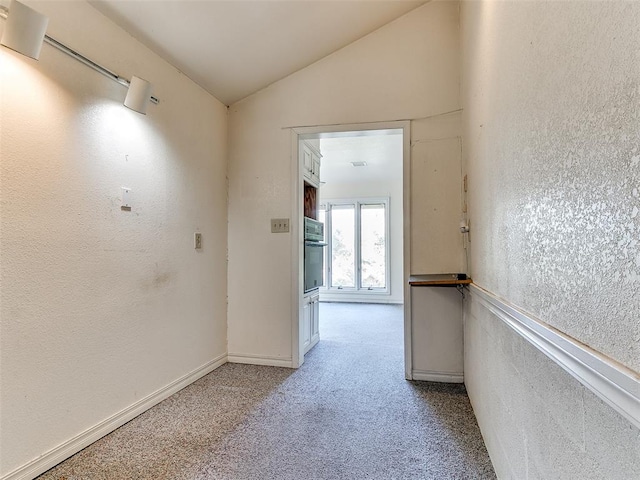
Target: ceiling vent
pixel 359 164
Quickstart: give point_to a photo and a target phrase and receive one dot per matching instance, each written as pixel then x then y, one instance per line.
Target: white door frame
pixel 297 213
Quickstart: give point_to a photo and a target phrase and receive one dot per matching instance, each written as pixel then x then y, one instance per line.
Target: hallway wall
pixel 408 69
pixel 100 307
pixel 552 145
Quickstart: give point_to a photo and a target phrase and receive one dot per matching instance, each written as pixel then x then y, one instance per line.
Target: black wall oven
pixel 313 254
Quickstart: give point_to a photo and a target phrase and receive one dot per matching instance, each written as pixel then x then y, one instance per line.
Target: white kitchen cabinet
pixel 311 164
pixel 306 325
pixel 315 319
pixel 311 320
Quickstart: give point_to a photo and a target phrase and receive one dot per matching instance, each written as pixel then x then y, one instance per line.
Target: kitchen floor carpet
pixel 347 413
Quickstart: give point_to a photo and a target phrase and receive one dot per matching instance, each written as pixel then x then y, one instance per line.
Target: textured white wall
pixel 537 421
pixel 552 142
pixel 554 158
pixel 408 69
pixel 101 307
pixel 437 246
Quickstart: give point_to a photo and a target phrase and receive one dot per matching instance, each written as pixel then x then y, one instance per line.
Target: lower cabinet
pixel 311 321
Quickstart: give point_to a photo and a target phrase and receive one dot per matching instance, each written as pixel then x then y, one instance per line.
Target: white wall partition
pixel 408 69
pixel 552 149
pixel 103 311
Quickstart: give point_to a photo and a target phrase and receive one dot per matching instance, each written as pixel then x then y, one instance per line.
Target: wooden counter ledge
pixel 421 282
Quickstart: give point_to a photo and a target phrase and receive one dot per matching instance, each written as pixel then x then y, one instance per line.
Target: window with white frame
pixel 357 255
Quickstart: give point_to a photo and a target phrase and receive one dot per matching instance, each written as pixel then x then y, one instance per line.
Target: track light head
pixel 139 95
pixel 25 30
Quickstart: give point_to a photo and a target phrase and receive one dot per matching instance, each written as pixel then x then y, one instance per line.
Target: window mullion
pixel 358 256
pixel 329 247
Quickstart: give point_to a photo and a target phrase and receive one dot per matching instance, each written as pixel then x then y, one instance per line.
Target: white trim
pixel 615 384
pixel 360 292
pixel 406 248
pixel 428 376
pixel 355 298
pixel 260 360
pixel 297 252
pixel 74 445
pixel 297 215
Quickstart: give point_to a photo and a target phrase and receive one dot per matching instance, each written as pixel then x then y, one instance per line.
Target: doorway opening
pixel 353 179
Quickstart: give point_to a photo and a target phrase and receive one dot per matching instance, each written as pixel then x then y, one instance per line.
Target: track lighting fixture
pixel 25 32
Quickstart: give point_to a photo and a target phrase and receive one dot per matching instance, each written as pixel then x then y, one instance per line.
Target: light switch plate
pixel 197 240
pixel 279 225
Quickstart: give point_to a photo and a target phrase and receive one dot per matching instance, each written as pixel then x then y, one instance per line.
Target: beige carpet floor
pixel 347 413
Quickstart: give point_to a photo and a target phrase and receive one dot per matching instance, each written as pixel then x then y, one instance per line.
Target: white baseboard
pixel 346 298
pixel 77 443
pixel 615 384
pixel 260 360
pixel 427 376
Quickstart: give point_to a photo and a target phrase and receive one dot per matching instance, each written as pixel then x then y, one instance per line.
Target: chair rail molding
pixel 615 384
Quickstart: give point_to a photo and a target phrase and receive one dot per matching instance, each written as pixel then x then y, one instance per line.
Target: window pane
pixel 343 246
pixel 373 246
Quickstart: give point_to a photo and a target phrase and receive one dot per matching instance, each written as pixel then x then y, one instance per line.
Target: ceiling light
pixel 359 164
pixel 25 30
pixel 138 95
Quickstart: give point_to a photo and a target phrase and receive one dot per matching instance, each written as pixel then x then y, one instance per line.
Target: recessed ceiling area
pixel 381 150
pixel 235 48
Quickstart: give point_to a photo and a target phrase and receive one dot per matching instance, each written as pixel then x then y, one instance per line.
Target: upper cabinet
pixel 311 164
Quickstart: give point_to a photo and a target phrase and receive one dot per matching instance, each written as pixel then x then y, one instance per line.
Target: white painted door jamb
pixel 297 344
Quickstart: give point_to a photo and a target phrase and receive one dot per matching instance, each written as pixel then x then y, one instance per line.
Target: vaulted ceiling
pixel 235 48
